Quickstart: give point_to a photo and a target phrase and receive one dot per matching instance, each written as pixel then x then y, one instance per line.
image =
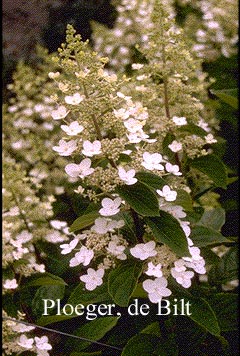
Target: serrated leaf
pixel 140 198
pixel 42 279
pixel 151 180
pixel 84 221
pixel 213 167
pixel 93 330
pixel 204 236
pixel 123 280
pixel 214 218
pixel 144 345
pixel 229 96
pixel 167 230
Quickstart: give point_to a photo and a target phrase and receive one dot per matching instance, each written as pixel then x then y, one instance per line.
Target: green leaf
pixel 51 319
pixel 204 236
pixel 193 129
pixel 225 306
pixel 201 312
pixel 203 315
pixel 151 180
pixel 167 230
pixel 184 199
pixel 128 230
pixel 93 330
pixel 84 221
pixel 152 329
pixel 140 198
pixel 143 345
pixel 227 268
pixel 46 292
pixel 123 280
pixel 229 96
pixel 81 296
pixel 213 167
pixel 214 218
pixel 42 279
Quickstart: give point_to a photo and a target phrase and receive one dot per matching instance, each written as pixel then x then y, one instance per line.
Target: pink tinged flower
pixel 116 250
pixel 93 278
pixel 81 170
pixel 25 342
pixel 122 114
pixel 84 256
pixel 173 168
pixel 154 270
pixel 66 148
pixel 174 210
pixel 42 343
pixel 67 248
pixel 183 277
pixel 127 176
pixel 143 251
pixel 167 193
pixel 156 289
pixel 210 139
pixel 152 161
pixel 136 137
pixel 133 125
pixel 103 225
pixel 179 121
pixel 74 99
pixel 185 227
pixel 73 129
pixel 60 113
pixel 175 146
pixel 10 284
pixel 110 207
pixel 90 149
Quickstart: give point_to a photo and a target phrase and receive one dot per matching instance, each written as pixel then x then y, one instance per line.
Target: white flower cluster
pixel 40 345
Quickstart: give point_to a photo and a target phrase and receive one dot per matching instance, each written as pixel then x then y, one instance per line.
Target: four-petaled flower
pixel 60 113
pixel 133 125
pixel 175 146
pixel 156 289
pixel 90 149
pixel 152 161
pixel 84 256
pixel 25 342
pixel 103 225
pixel 42 343
pixel 66 148
pixel 154 270
pixel 81 170
pixel 93 278
pixel 116 250
pixel 182 277
pixel 10 284
pixel 67 248
pixel 73 129
pixel 179 121
pixel 74 99
pixel 110 207
pixel 167 193
pixel 127 176
pixel 173 168
pixel 143 251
